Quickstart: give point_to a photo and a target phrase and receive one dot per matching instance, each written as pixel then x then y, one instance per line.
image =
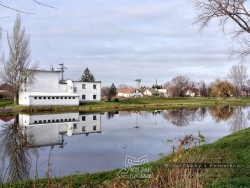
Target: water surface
pixel 84 142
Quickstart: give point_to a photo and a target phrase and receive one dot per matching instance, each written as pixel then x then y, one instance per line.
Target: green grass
pixel 5 102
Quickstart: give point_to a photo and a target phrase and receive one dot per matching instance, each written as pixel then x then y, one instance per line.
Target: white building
pixel 47 89
pixel 129 92
pixel 49 129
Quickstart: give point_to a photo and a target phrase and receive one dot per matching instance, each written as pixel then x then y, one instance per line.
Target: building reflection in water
pixel 49 129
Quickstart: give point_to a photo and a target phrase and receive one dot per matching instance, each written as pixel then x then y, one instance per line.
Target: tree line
pixel 232 85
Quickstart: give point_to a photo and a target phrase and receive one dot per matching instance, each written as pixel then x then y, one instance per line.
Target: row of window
pixel 54 120
pixel 84 87
pixel 84 127
pixel 84 96
pixel 62 120
pixel 54 97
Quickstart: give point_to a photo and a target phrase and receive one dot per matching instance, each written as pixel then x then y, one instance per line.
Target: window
pixel 74 119
pixel 61 97
pixel 94 96
pixel 48 97
pixel 83 128
pixel 57 97
pixel 57 120
pixel 75 89
pixel 44 97
pixel 35 97
pixel 65 97
pixel 49 121
pixel 65 120
pixel 69 119
pixel 83 118
pixel 94 117
pixel 44 121
pixel 73 97
pixel 75 126
pixel 69 97
pixel 94 86
pixel 53 97
pixel 40 97
pixel 40 121
pixel 83 97
pixel 61 119
pixel 35 121
pixel 83 86
pixel 53 120
pixel 94 127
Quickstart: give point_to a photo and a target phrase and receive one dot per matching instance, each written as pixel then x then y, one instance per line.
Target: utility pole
pixel 62 69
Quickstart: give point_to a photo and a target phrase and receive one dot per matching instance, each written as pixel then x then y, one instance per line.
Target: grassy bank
pixel 233 149
pixel 131 103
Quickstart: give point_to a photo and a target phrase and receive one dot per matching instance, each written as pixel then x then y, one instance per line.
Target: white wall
pixel 44 81
pixel 58 100
pixel 88 91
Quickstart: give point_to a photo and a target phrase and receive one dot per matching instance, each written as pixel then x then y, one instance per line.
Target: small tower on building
pixel 138 83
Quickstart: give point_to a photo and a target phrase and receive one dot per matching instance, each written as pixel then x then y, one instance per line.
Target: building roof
pixel 126 90
pixel 5 86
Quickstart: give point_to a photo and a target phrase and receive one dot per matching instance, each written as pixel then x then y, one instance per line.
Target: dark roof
pixel 6 118
pixel 5 86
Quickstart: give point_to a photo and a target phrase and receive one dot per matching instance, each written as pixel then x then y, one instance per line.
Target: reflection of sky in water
pixel 119 137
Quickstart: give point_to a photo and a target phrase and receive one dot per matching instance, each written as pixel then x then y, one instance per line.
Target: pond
pixel 79 142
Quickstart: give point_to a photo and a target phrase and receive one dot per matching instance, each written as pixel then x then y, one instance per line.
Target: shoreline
pixel 130 104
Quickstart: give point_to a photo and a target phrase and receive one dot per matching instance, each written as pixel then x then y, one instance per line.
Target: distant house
pixel 245 91
pixel 191 92
pixel 47 89
pixel 5 91
pixel 151 92
pixel 163 92
pixel 129 92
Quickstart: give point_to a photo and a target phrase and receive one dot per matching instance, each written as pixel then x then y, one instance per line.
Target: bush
pixel 116 100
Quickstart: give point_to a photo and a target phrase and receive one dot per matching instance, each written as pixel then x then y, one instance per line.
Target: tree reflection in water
pixel 183 117
pixel 234 115
pixel 15 152
pixel 238 120
pixel 221 113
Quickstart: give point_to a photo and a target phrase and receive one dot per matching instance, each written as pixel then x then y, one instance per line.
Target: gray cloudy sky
pixel 121 40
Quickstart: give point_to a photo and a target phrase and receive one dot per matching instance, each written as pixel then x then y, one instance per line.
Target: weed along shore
pixel 6 106
pixel 194 163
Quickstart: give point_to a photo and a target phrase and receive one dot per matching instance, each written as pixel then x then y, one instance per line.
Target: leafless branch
pixel 44 4
pixel 225 11
pixel 16 9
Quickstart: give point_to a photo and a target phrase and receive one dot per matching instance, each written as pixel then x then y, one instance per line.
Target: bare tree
pixel 109 92
pixel 16 70
pixel 224 11
pixel 238 76
pixel 177 85
pixel 123 86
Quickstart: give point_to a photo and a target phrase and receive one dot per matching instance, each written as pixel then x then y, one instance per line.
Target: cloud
pixel 123 40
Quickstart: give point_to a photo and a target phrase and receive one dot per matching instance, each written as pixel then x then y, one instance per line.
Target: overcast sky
pixel 122 40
